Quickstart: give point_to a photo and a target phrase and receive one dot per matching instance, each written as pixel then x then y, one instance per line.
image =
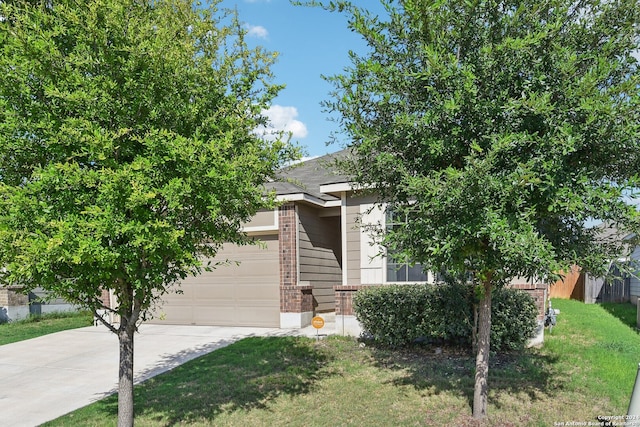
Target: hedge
pixel 397 315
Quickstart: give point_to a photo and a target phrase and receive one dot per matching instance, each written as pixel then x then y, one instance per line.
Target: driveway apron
pixel 46 377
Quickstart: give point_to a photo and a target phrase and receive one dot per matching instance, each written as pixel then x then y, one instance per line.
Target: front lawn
pixel 38 325
pixel 586 369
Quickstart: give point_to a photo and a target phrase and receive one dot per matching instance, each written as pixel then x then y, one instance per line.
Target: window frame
pixel 428 276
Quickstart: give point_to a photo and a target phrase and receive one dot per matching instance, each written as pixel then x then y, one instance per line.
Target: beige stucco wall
pixel 319 254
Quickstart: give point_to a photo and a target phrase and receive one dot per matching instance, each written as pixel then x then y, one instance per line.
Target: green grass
pixel 586 368
pixel 599 349
pixel 38 325
pixel 625 312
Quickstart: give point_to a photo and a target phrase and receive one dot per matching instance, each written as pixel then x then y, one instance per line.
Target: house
pixel 314 256
pixel 14 305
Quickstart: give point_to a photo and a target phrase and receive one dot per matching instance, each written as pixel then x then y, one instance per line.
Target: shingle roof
pixel 308 176
pixel 608 233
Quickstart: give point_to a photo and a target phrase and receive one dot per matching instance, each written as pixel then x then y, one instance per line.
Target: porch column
pixel 346 322
pixel 296 301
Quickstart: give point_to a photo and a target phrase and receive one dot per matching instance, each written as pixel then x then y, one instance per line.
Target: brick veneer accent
pixel 105 298
pixel 296 299
pixel 293 298
pixel 538 292
pixel 287 245
pixel 344 296
pixel 12 296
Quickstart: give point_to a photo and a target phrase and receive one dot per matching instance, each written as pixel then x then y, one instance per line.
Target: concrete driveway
pixel 46 377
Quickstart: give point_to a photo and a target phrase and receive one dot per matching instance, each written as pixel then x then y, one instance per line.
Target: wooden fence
pixel 570 287
pixel 583 287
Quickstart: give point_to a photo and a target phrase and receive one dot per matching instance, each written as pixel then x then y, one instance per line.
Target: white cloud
pixel 283 119
pixel 256 31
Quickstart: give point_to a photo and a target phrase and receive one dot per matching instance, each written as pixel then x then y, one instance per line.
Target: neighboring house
pixel 14 305
pixel 315 256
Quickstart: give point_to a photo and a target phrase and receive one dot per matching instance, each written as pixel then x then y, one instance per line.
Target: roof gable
pixel 307 177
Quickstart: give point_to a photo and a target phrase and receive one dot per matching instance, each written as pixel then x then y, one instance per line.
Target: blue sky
pixel 311 42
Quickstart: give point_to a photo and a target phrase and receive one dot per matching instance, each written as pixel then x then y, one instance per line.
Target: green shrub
pixel 451 315
pixel 393 315
pixel 397 315
pixel 513 319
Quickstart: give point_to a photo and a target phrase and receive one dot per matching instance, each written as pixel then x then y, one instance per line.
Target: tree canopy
pixel 499 129
pixel 128 146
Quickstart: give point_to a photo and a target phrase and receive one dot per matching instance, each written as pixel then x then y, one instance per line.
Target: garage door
pixel 247 294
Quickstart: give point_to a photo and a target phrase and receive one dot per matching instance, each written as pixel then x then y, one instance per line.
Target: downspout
pixel 343 243
pixel 343 235
pixel 297 237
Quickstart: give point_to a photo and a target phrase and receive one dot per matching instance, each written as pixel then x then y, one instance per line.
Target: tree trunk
pixel 481 390
pixel 125 377
pixel 474 331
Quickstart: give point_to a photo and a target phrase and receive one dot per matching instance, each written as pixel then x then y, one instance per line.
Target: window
pixel 401 270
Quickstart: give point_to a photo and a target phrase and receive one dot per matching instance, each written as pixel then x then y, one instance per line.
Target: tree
pixel 128 150
pixel 500 130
